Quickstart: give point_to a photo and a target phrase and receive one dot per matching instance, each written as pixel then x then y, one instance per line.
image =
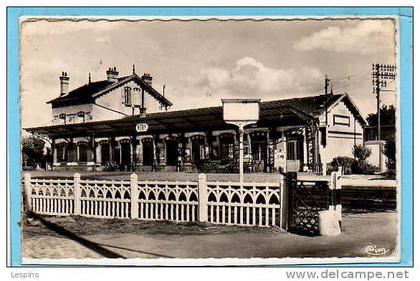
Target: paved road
pixel 360 231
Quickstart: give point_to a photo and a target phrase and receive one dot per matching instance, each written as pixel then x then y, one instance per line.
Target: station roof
pixel 89 92
pixel 290 112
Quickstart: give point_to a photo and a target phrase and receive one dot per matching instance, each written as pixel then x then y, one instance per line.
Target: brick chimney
pixel 64 84
pixel 147 78
pixel 112 74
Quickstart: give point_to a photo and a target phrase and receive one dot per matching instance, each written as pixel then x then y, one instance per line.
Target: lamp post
pixel 241 112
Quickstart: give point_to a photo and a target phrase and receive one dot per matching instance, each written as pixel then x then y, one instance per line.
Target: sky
pixel 201 62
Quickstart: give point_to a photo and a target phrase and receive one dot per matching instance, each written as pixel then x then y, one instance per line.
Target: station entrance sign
pixel 241 112
pixel 142 127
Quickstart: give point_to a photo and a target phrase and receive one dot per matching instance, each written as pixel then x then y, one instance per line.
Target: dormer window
pixel 127 96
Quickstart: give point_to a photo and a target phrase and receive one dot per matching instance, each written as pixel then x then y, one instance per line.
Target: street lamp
pixel 241 112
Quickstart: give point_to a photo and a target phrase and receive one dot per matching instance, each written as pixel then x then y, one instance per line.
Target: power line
pixel 351 83
pixel 350 76
pixel 347 80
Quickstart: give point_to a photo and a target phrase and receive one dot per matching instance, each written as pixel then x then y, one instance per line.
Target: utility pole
pixel 326 85
pixel 380 74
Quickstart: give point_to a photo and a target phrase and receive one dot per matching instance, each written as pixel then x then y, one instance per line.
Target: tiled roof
pixel 312 106
pixel 84 93
pixel 88 92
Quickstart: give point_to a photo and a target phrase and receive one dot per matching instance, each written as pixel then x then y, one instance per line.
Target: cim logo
pixel 142 127
pixel 373 250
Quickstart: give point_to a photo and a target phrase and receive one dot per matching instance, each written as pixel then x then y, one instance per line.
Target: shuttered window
pixel 127 96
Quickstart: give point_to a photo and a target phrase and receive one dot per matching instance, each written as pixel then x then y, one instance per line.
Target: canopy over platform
pixel 291 112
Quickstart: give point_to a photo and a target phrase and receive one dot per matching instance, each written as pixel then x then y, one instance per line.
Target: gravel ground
pixel 55 247
pixel 88 226
pixel 94 238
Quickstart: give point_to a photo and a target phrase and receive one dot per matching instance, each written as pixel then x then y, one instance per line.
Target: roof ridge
pixel 87 93
pixel 304 97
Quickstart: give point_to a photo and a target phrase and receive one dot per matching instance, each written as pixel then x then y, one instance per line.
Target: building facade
pixel 123 123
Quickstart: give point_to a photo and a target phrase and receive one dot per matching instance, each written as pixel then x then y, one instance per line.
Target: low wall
pixel 355 199
pixel 377 157
pixel 368 195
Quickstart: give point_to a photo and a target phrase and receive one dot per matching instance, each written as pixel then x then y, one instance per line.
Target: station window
pixel 127 96
pixel 204 152
pixel 82 152
pixel 294 150
pixel 61 152
pixel 227 151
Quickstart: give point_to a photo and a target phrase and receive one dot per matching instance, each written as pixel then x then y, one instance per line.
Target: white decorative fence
pixel 247 204
pixel 174 201
pixel 230 203
pixel 103 199
pixel 50 197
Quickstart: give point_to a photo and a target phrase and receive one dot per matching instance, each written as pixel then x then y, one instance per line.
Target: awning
pixel 272 114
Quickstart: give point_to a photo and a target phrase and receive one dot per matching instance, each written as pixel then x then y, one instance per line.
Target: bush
pixel 351 166
pixel 206 166
pixel 363 167
pixel 341 161
pixel 360 165
pixel 361 152
pixel 110 166
pixel 391 159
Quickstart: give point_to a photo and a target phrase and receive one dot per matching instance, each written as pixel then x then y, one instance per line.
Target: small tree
pixel 32 151
pixel 361 152
pixel 387 116
pixel 360 165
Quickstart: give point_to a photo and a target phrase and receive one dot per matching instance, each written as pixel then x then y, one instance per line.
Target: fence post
pixel 28 192
pixel 291 179
pixel 76 192
pixel 134 196
pixel 202 198
pixel 335 187
pixel 340 171
pixel 283 203
pixel 338 207
pixel 324 169
pixel 333 183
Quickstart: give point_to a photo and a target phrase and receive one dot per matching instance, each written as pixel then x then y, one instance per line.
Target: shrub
pixel 390 154
pixel 363 167
pixel 341 161
pixel 351 166
pixel 360 165
pixel 206 166
pixel 110 166
pixel 361 152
